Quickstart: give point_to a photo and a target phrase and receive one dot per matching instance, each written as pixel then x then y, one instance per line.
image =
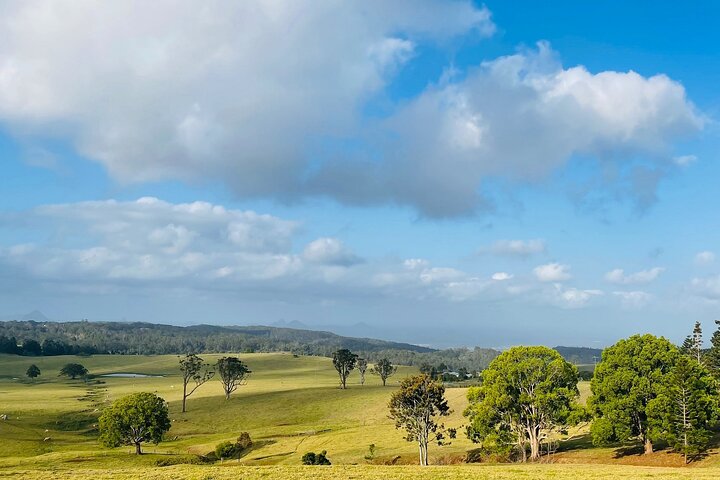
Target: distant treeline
pixel 68 338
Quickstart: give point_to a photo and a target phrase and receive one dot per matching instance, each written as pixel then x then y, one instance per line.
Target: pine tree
pixel 713 354
pixel 693 344
pixel 691 403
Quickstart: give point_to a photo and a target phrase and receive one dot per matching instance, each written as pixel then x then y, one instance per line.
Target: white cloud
pixel 705 258
pixel 552 272
pixel 415 263
pixel 573 297
pixel 330 251
pixel 249 93
pixel 708 287
pixel 634 299
pixel 502 276
pixel 520 248
pixel 618 276
pixel 684 160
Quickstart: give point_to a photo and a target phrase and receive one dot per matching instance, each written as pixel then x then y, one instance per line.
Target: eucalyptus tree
pixel 344 362
pixel 193 369
pixel 416 408
pixel 525 395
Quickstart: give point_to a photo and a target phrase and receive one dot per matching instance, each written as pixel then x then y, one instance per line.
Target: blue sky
pixel 446 173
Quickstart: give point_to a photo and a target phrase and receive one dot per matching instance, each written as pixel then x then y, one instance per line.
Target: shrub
pixel 244 442
pixel 234 450
pixel 181 460
pixel 225 450
pixel 311 458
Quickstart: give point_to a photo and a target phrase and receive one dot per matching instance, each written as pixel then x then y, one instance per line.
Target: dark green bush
pixel 311 458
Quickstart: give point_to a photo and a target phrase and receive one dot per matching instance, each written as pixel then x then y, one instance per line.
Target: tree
pixel 33 371
pixel 31 347
pixel 384 369
pixel 73 370
pixel 693 344
pixel 415 408
pixel 344 361
pixel 687 409
pixel 362 365
pixel 713 354
pixel 526 394
pixel 193 370
pixel 631 376
pixel 133 420
pixel 233 373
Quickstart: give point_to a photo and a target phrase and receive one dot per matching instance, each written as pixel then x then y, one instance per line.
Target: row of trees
pixel 48 347
pixel 232 373
pixel 644 388
pixel 346 361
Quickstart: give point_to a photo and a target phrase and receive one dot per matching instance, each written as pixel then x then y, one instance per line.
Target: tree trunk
pixel 648 446
pixel 384 380
pixel 184 396
pixel 138 450
pixel 534 444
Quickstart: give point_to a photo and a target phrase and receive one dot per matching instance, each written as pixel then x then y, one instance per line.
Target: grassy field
pixel 290 406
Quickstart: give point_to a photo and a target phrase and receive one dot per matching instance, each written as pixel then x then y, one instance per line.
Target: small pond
pixel 130 375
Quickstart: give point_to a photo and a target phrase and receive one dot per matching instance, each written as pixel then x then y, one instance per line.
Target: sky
pixel 446 173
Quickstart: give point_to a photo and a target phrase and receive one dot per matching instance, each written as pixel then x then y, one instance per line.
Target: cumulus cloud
pixel 705 258
pixel 330 251
pixel 634 299
pixel 519 248
pixel 619 276
pixel 502 276
pixel 573 297
pixel 707 287
pixel 255 94
pixel 552 272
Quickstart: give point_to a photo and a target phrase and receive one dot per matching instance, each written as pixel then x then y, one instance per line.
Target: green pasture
pixel 291 405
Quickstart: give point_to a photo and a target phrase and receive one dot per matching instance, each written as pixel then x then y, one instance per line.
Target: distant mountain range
pixel 294 336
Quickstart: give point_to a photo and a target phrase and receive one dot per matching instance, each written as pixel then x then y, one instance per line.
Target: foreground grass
pixel 373 472
pixel 290 406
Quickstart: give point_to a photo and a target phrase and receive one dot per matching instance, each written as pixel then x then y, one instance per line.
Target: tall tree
pixel 134 420
pixel 194 370
pixel 713 354
pixel 693 344
pixel 344 361
pixel 362 365
pixel 526 394
pixel 384 369
pixel 233 373
pixel 628 381
pixel 688 408
pixel 33 371
pixel 416 408
pixel 73 370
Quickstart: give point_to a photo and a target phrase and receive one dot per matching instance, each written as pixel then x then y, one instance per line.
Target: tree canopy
pixel 626 387
pixel 233 373
pixel 33 371
pixel 384 369
pixel 416 408
pixel 133 420
pixel 526 394
pixel 73 370
pixel 195 370
pixel 344 362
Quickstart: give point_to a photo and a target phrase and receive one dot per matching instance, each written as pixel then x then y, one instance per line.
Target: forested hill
pixel 57 338
pixel 580 355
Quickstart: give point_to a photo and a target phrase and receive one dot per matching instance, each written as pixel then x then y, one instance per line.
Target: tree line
pixel 73 338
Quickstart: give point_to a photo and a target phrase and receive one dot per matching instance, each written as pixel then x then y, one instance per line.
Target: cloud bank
pixel 265 97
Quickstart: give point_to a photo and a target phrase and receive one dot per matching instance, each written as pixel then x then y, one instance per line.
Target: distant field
pixel 291 405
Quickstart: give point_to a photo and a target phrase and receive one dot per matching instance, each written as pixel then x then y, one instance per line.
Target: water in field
pixel 129 375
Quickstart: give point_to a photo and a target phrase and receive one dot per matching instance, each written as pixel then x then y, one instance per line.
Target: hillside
pixel 157 339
